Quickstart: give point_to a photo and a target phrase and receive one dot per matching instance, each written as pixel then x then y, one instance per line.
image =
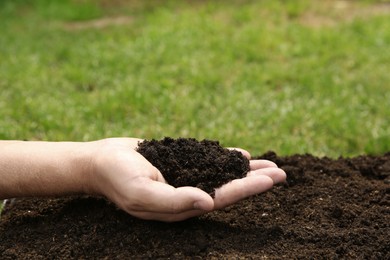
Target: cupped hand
pixel 125 177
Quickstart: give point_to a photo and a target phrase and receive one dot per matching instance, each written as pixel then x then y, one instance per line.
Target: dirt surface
pixel 328 209
pixel 189 162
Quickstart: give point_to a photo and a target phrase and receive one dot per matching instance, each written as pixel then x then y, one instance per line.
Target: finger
pixel 154 196
pixel 259 164
pixel 276 174
pixel 168 217
pixel 244 152
pixel 239 189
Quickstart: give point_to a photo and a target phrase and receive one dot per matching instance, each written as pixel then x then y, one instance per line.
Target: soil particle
pixel 188 162
pixel 327 209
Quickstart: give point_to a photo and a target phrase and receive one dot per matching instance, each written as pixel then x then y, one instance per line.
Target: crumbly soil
pixel 189 162
pixel 328 209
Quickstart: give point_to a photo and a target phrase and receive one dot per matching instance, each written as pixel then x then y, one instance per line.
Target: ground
pixel 329 208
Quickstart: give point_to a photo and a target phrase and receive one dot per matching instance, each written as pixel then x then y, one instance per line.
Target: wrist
pixel 85 162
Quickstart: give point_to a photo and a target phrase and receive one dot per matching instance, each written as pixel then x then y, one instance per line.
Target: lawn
pixel 288 76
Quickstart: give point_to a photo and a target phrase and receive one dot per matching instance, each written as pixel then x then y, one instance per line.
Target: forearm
pixel 29 168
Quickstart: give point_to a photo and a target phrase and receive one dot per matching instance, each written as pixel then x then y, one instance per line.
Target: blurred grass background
pixel 289 76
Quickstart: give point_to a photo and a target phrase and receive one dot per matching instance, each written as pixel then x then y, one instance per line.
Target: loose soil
pixel 189 162
pixel 328 209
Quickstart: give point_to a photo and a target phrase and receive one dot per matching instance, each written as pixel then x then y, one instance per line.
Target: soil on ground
pixel 189 162
pixel 328 209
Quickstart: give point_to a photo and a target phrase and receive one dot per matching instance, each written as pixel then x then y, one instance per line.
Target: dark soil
pixel 188 162
pixel 328 209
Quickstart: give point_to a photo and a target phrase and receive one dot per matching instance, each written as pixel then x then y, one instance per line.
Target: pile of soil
pixel 329 208
pixel 189 162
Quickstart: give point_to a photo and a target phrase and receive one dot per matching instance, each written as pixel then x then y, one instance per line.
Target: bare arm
pixel 29 168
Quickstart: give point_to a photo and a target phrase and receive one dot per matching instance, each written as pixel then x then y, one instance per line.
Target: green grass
pixel 289 76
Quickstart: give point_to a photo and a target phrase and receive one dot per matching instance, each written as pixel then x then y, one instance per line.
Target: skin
pixel 112 168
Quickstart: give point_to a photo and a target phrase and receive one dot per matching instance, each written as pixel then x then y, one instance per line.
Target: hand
pixel 125 177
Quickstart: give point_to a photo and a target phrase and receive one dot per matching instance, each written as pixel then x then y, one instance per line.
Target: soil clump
pixel 327 209
pixel 188 162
